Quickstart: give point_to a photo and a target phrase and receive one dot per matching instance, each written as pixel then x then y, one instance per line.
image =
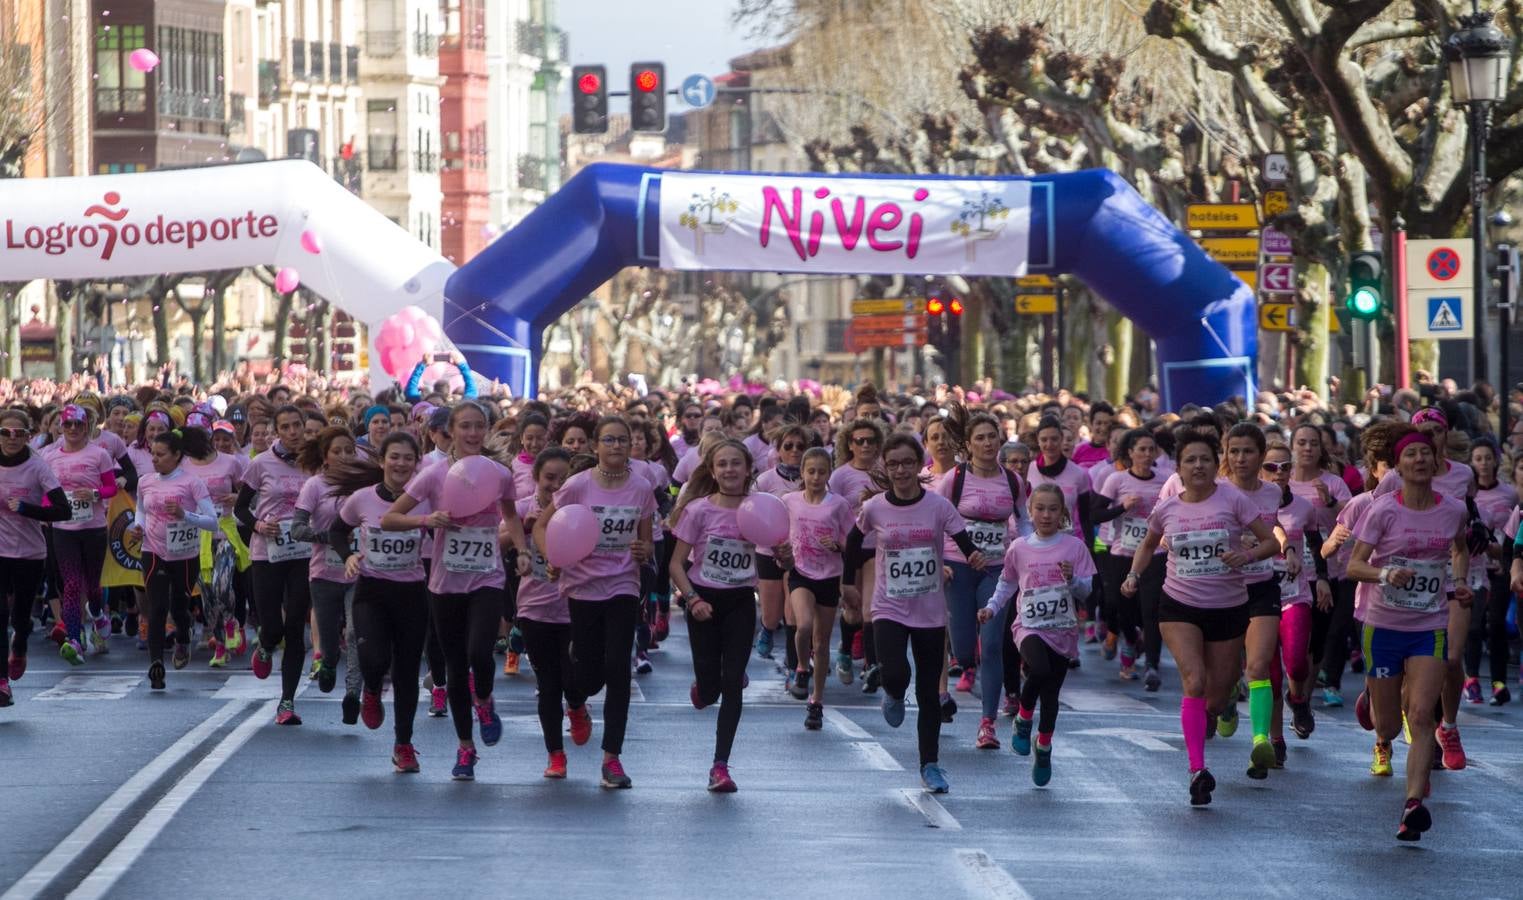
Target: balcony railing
pixel 189 105
pixel 535 39
pixel 269 81
pixel 425 44
pixel 348 172
pixel 352 57
pixel 335 62
pixel 236 114
pixel 315 59
pixel 426 161
pixel 381 150
pixel 531 173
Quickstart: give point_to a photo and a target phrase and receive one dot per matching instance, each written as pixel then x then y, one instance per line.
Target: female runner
pixel 789 444
pixel 1297 520
pixel 1488 625
pixel 859 448
pixel 332 588
pixel 77 545
pixel 221 473
pixel 1314 480
pixel 33 496
pixel 819 522
pixel 1130 496
pixel 1052 466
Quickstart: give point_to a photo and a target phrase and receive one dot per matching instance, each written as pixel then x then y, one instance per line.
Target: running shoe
pixel 692 695
pixel 642 663
pixel 948 708
pixel 1075 663
pixel 285 714
pixel 581 724
pixel 1471 692
pixel 510 663
pixel 1020 737
pixel 1381 765
pixel 372 712
pixel 116 624
pixel 872 679
pixel 798 686
pixel 893 710
pixel 1009 705
pixel 934 778
pixel 1041 765
pixel 1302 722
pixel 516 641
pixel 1332 698
pixel 350 708
pixel 5 693
pixel 327 676
pixel 857 653
pixel 986 739
pixel 232 636
pixel 181 657
pixel 764 643
pixel 1356 661
pixel 490 722
pixel 954 669
pixel 103 625
pixel 1415 819
pixel 814 717
pixel 1089 633
pixel 1128 672
pixel 1226 723
pixel 843 667
pixel 156 675
pixel 1499 693
pixel 1108 648
pixel 465 764
pixel 1362 711
pixel 1260 758
pixel 1449 741
pixel 1152 681
pixel 262 663
pixel 60 634
pixel 966 682
pixel 438 702
pixel 404 758
pixel 1406 729
pixel 613 776
pixel 663 628
pixel 501 646
pixel 16 668
pixel 317 667
pixel 556 767
pixel 96 639
pixel 720 781
pixel 1279 752
pixel 72 652
pixel 1202 783
pixel 219 655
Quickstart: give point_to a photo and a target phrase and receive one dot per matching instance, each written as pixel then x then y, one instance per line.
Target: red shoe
pixel 557 766
pixel 17 668
pixel 1449 741
pixel 59 634
pixel 1362 711
pixel 720 781
pixel 581 724
pixel 965 683
pixel 986 739
pixel 663 627
pixel 286 714
pixel 405 758
pixel 1472 691
pixel 372 713
pixel 856 647
pixel 262 663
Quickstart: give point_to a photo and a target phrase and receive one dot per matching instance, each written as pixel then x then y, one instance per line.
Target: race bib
pixel 728 562
pixel 989 537
pixel 392 551
pixel 616 527
pixel 335 560
pixel 470 550
pixel 182 539
pixel 1424 592
pixel 1198 554
pixel 539 567
pixel 284 548
pixel 911 572
pixel 1259 570
pixel 1131 531
pixel 80 510
pixel 1476 577
pixel 1290 588
pixel 1048 608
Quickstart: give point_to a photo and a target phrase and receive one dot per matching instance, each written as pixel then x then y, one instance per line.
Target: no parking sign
pixel 1440 288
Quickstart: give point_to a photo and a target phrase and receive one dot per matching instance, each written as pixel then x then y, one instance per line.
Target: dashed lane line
pixel 936 815
pixel 987 878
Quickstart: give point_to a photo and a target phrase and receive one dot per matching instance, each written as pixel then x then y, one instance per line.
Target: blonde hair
pixel 703 483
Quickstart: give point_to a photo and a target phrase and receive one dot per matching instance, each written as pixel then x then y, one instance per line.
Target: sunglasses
pixel 793 446
pixel 72 423
pixel 1276 468
pixel 864 441
pixel 10 433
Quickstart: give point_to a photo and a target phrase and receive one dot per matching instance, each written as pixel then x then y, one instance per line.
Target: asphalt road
pixel 111 790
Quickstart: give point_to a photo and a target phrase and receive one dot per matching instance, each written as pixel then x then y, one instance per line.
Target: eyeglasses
pixel 794 446
pixel 864 441
pixel 901 464
pixel 10 433
pixel 614 441
pixel 1276 468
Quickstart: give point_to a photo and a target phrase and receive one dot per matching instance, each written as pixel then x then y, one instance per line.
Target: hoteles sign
pixel 774 223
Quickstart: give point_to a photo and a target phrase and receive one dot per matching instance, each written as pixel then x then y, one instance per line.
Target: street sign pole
pixel 1057 361
pixel 1399 257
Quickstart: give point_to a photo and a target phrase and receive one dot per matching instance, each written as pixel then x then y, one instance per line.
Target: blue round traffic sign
pixel 698 91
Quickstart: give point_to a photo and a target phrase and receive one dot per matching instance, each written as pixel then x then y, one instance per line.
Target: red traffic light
pixel 646 80
pixel 589 83
pixel 936 307
pixel 956 307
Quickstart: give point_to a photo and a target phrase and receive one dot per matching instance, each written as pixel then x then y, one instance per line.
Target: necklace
pixel 611 476
pixel 728 494
pixel 982 472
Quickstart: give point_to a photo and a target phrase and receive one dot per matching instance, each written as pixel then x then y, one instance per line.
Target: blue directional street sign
pixel 698 91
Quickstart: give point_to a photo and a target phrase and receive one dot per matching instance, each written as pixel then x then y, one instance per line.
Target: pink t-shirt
pixel 28 481
pixel 609 571
pixel 849 483
pixel 769 482
pixel 467 556
pixel 1349 518
pixel 908 586
pixel 327 562
pixel 81 470
pixel 1515 525
pixel 523 475
pixel 277 483
pixel 1295 517
pixel 988 509
pixel 763 456
pixel 539 600
pixel 1496 505
pixel 113 444
pixel 1072 481
pixel 1323 517
pixel 718 558
pixel 1418 540
pixel 154 493
pixel 142 459
pixel 1198 535
pixel 1454 481
pixel 1131 528
pixel 809 524
pixel 687 464
pixel 655 474
pixel 1089 454
pixel 395 556
pixel 221 474
pixel 1267 499
pixel 1035 565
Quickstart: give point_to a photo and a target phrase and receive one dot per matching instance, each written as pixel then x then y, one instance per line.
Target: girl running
pixel 77 545
pixel 1052 570
pixel 33 496
pixel 1129 498
pixel 859 448
pixel 1203 613
pixel 819 522
pixel 782 479
pixel 332 588
pixel 221 557
pixel 1495 501
pixel 1298 594
pixel 1313 479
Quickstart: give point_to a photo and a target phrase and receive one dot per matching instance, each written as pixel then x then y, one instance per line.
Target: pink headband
pixel 73 413
pixel 1416 437
pixel 159 416
pixel 1430 414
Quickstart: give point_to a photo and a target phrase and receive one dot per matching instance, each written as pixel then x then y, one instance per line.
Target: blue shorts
pixel 1386 652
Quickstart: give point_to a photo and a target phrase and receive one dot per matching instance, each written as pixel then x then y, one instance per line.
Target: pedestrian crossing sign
pixel 1445 314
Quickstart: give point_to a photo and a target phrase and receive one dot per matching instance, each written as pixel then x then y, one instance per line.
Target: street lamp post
pixel 1477 59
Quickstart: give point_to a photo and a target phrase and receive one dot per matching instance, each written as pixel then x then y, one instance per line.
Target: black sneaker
pixel 814 717
pixel 156 675
pixel 1210 727
pixel 800 686
pixel 1279 752
pixel 1415 819
pixel 872 679
pixel 1202 783
pixel 351 708
pixel 948 708
pixel 1302 722
pixel 327 678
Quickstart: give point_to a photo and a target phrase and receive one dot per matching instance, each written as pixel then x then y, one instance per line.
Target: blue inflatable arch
pixel 1089 224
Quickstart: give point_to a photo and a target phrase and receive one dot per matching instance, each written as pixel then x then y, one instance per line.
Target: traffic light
pixel 647 97
pixel 589 88
pixel 1365 286
pixel 955 306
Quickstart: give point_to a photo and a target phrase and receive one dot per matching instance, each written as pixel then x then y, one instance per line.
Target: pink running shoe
pixel 438 702
pixel 720 781
pixel 965 683
pixel 372 713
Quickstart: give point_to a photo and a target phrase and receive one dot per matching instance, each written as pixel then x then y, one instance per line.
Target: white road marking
pixel 1147 740
pixel 635 694
pixel 1085 700
pixel 121 858
pixel 936 815
pixel 987 878
pixel 91 687
pixel 876 757
pixel 839 721
pixel 35 881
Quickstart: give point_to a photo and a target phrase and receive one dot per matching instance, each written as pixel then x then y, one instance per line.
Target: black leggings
pixel 1045 670
pixel 602 636
pixel 467 629
pixel 1138 612
pixel 1488 629
pixel 283 597
pixel 18 587
pixel 390 618
pixel 721 648
pixel 1340 625
pixel 166 588
pixel 895 643
pixel 549 646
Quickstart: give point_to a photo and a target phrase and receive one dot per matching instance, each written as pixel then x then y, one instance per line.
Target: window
pixel 382 134
pixel 189 74
pixel 119 88
pixel 452 142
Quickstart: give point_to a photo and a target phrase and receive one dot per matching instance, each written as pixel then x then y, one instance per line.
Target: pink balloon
pixel 143 59
pixel 437 371
pixel 287 280
pixel 310 242
pixel 471 485
pixel 570 535
pixel 763 520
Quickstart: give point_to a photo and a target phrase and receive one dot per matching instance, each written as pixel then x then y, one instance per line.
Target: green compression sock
pixel 1260 706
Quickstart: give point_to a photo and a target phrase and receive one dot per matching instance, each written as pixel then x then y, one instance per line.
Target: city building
pixel 400 84
pixel 526 64
pixel 465 217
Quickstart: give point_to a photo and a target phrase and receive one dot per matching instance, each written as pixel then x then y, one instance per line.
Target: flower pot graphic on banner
pixel 982 219
pixel 708 214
